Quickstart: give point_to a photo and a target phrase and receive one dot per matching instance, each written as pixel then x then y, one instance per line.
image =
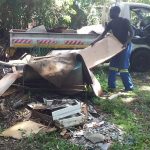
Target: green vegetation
pixel 49 141
pixel 74 14
pixel 132 116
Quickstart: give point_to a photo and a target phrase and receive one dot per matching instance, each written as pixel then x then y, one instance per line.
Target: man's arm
pixel 130 29
pixel 100 37
pixel 130 34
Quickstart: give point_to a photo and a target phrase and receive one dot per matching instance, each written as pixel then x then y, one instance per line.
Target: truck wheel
pixel 140 60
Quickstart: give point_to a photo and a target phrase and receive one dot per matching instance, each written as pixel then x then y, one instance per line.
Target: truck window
pixel 134 19
pixel 140 17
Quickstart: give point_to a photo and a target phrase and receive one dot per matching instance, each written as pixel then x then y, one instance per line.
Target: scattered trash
pixel 73 120
pixel 65 134
pixel 104 146
pixel 22 102
pixel 97 134
pixel 68 111
pixel 7 81
pixel 2 107
pixel 93 124
pixel 94 137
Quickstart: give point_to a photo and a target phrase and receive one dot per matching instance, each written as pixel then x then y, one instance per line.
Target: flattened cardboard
pixel 23 129
pixel 101 51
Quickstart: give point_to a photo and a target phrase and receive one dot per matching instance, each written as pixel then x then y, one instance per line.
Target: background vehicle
pixel 139 15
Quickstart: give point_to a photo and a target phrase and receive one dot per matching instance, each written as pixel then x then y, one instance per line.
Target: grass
pixel 133 117
pixel 50 141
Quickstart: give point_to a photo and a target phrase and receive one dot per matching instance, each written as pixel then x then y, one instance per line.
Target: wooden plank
pixel 97 89
pixel 68 111
pixel 7 81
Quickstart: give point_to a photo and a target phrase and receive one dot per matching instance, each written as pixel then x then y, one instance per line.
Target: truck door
pixel 140 18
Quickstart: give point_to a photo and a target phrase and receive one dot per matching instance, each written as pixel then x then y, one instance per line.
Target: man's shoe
pixel 127 90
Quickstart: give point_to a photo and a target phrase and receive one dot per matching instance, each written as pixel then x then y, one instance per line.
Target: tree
pixel 51 13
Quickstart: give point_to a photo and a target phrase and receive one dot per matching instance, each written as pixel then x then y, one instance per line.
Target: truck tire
pixel 140 60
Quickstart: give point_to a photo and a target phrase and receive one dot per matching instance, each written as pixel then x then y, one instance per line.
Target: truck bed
pixel 22 39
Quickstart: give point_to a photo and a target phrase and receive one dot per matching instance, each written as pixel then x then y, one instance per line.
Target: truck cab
pixel 139 16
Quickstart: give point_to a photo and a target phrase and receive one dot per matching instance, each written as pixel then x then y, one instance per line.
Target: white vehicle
pixel 139 16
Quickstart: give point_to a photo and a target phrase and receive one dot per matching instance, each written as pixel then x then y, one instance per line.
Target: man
pixel 122 30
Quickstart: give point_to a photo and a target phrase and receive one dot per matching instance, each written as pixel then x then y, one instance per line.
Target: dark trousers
pixel 119 64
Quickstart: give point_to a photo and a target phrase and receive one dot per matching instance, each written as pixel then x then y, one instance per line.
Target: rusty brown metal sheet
pixel 55 69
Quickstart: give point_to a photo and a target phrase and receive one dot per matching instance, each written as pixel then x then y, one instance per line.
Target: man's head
pixel 114 12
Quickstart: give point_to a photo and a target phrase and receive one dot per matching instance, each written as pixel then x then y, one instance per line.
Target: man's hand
pixel 125 45
pixel 98 39
pixel 92 43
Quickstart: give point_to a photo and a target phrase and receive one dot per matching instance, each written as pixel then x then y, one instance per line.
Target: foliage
pixel 52 13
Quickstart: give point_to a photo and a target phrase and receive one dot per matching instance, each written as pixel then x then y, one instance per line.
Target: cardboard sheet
pixel 23 129
pixel 101 51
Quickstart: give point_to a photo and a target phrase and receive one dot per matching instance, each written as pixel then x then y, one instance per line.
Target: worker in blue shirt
pixel 122 30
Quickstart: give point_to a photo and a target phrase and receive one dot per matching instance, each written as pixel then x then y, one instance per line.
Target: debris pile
pixel 97 133
pixel 72 118
pixel 65 74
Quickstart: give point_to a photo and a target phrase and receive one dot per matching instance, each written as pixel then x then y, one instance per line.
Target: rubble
pixel 2 107
pixel 94 137
pixel 97 133
pixel 78 125
pixel 72 120
pixel 104 146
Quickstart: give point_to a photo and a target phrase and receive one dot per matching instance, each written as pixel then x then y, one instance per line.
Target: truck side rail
pixel 21 38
